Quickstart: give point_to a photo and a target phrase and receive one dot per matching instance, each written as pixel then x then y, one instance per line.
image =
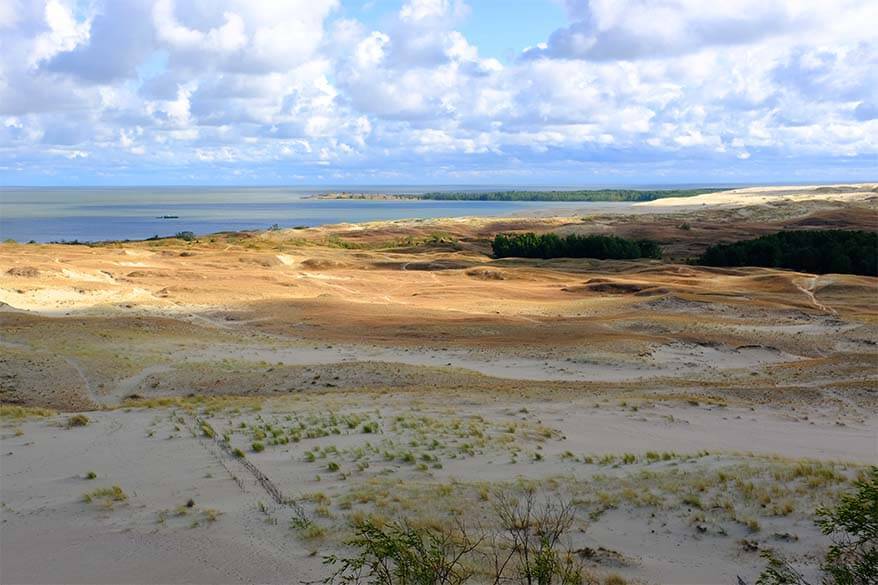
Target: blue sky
pixel 527 92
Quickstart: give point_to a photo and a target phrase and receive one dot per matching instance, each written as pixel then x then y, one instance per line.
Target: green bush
pixel 819 252
pixel 399 554
pixel 186 236
pixel 852 525
pixel 258 447
pixel 526 547
pixel 531 245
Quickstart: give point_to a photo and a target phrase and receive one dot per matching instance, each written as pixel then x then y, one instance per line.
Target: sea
pixel 90 214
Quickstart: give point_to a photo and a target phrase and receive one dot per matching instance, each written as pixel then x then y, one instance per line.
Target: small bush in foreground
pixel 525 546
pixel 852 525
pixel 107 496
pixel 77 420
pixel 400 554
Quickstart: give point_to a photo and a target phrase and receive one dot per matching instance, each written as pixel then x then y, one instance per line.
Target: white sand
pixel 763 195
pixel 49 535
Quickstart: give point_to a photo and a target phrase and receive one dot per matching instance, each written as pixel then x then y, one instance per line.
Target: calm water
pixel 91 214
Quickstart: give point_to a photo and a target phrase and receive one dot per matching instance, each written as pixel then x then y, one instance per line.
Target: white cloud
pixel 238 82
pixel 649 29
pixel 370 51
pixel 64 33
pixel 417 11
pixel 9 13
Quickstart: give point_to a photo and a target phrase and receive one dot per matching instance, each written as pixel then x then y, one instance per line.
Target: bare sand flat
pixel 762 195
pixel 236 532
pixel 694 416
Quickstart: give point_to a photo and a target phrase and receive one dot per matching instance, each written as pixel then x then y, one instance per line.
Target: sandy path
pixel 808 290
pixel 128 385
pixel 85 381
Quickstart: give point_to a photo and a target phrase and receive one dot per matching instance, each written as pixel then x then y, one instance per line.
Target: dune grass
pixel 16 412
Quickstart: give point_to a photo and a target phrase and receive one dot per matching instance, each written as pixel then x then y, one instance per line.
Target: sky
pixel 474 92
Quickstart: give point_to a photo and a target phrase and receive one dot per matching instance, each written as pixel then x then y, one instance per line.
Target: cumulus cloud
pixel 112 52
pixel 649 29
pixel 301 88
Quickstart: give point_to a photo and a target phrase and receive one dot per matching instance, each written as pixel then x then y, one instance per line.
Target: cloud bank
pixel 302 91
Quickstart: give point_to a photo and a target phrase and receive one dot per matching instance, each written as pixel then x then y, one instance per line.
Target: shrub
pixel 185 236
pixel 525 548
pixel 313 530
pixel 91 475
pixel 852 525
pixel 108 495
pixel 397 553
pixel 77 420
pixel 258 447
pixel 211 515
pixel 533 532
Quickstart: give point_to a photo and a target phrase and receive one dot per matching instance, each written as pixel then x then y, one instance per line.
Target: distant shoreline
pixel 583 195
pixel 365 196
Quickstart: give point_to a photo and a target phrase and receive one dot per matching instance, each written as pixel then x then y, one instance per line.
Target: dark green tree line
pixel 820 252
pixel 580 195
pixel 531 245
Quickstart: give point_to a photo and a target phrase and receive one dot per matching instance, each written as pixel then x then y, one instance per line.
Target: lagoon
pixel 111 213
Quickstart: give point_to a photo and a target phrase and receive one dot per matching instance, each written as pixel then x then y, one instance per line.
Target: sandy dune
pixel 763 195
pixel 694 415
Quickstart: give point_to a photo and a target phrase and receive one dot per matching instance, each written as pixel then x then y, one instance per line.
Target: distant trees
pixel 531 245
pixel 840 251
pixel 581 195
